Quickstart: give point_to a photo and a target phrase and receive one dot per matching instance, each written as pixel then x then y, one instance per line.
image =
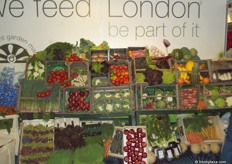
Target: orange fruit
pixel 205 80
pixel 180 80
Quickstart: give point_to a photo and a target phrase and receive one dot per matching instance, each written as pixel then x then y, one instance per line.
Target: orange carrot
pixel 107 146
pixel 201 105
pixel 194 137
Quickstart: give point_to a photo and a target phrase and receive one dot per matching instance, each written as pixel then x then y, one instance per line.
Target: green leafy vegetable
pixel 90 154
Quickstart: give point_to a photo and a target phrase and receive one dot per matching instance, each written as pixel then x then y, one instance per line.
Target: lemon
pixel 189 65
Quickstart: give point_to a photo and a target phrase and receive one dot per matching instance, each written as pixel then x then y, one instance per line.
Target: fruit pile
pixel 192 72
pixel 119 74
pixel 135 145
pixel 78 100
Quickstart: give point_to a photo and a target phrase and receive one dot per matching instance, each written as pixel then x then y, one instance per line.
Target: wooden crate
pixel 121 54
pixel 182 72
pixel 188 96
pixel 121 63
pixel 113 100
pixel 136 137
pixel 120 144
pixel 32 103
pixel 36 122
pixel 77 105
pixel 139 65
pixel 77 69
pixel 148 97
pixel 217 96
pixel 215 121
pixel 99 55
pixel 221 70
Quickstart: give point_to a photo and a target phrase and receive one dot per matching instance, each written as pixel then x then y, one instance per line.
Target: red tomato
pixel 38 94
pixel 118 74
pixel 48 92
pixel 50 80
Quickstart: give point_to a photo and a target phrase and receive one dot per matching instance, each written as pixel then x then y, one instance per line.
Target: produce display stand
pixel 106 88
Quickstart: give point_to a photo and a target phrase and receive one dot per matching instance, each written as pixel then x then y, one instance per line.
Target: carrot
pixel 107 146
pixel 201 105
pixel 194 137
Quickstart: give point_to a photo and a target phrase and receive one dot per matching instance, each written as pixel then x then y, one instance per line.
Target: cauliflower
pixel 229 101
pixel 109 107
pixel 126 94
pixel 97 95
pixel 117 95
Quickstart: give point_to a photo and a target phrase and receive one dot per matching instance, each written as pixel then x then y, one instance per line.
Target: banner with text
pixel 28 26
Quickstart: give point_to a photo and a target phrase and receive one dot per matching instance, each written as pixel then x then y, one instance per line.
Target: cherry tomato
pixel 38 94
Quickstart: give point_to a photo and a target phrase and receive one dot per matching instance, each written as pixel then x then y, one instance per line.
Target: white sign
pixel 34 24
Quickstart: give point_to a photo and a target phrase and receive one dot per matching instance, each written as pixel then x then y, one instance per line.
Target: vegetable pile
pixel 116 144
pixel 218 96
pixel 159 130
pixel 79 74
pixel 58 72
pixel 37 144
pixel 99 81
pixel 153 77
pixel 107 101
pixel 119 74
pixel 35 69
pixel 200 128
pixel 188 97
pixel 159 98
pixel 70 137
pixel 36 96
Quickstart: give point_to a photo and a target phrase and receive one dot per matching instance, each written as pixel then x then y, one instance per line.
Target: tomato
pixel 43 94
pixel 69 83
pixel 38 94
pixel 125 67
pixel 118 74
pixel 48 92
pixel 50 80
